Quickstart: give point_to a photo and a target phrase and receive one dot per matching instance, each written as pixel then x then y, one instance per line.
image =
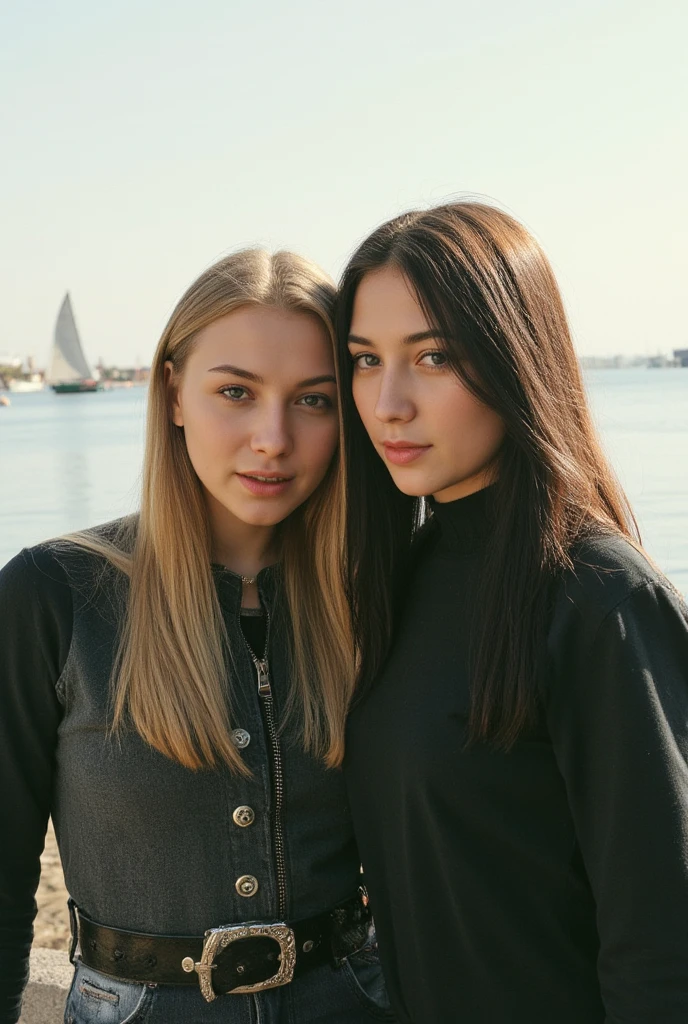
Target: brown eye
pixel 434 358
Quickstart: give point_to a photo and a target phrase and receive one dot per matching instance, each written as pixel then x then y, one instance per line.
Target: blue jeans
pixel 353 993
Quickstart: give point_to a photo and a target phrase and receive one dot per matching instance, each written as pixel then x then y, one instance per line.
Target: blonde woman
pixel 173 688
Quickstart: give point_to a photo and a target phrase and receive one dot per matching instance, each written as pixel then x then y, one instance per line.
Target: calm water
pixel 68 461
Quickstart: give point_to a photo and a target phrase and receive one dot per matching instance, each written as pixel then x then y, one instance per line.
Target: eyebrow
pixel 236 371
pixel 325 378
pixel 410 339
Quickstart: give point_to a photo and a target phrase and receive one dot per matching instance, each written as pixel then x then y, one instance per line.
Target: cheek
pixel 478 428
pixel 494 431
pixel 208 433
pixel 320 445
pixel 364 397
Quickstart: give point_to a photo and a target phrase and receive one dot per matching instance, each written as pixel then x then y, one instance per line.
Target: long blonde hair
pixel 172 672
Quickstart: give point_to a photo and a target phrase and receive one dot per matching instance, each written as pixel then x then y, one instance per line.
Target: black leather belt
pixel 235 958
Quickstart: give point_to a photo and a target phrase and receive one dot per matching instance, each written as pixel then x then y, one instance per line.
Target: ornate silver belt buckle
pixel 217 939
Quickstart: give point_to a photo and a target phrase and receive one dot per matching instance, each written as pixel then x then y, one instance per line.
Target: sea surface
pixel 70 461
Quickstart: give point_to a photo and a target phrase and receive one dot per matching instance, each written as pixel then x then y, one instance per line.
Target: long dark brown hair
pixel 484 282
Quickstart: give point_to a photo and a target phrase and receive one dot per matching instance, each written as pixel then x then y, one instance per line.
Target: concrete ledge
pixel 49 981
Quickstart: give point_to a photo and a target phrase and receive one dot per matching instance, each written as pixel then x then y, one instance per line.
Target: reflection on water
pixel 642 416
pixel 75 486
pixel 66 462
pixel 70 461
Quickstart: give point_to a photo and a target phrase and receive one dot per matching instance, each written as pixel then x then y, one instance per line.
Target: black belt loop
pixel 74 927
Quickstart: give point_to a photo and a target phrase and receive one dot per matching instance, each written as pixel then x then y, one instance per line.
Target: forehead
pixel 385 307
pixel 262 339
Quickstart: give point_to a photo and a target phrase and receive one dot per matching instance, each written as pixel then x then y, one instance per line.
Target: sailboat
pixel 69 371
pixel 21 385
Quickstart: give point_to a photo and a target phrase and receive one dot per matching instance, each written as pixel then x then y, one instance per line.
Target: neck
pixel 242 547
pixel 465 523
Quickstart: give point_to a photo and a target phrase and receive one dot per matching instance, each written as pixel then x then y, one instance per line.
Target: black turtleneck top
pixel 549 884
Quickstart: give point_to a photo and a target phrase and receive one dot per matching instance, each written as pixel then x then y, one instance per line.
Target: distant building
pixel 133 374
pixel 662 362
pixel 12 361
pixel 612 362
pixel 681 356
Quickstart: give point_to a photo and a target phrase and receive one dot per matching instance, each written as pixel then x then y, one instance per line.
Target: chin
pixel 412 488
pixel 412 492
pixel 264 517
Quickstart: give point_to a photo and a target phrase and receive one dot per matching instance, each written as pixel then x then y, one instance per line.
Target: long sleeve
pixel 36 622
pixel 618 718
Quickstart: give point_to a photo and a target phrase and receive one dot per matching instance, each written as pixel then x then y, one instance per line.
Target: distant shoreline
pixel 658 362
pixel 632 363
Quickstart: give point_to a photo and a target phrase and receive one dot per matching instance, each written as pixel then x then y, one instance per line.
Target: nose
pixel 271 435
pixel 394 400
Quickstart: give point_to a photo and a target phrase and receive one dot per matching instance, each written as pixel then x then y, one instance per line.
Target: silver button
pixel 244 816
pixel 241 738
pixel 308 945
pixel 188 964
pixel 247 885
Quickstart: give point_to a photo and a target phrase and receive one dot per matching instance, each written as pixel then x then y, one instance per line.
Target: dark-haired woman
pixel 517 761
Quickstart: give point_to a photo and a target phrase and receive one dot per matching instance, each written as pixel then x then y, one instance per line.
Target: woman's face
pixel 258 405
pixel 433 434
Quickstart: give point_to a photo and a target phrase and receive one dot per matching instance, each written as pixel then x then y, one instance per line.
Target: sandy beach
pixel 51 927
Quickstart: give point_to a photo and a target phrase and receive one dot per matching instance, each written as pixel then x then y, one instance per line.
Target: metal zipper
pixel 267 700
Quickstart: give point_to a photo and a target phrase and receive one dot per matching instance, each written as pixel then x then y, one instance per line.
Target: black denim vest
pixel 150 846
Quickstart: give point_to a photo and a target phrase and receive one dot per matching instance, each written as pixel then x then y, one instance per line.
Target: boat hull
pixel 77 387
pixel 25 386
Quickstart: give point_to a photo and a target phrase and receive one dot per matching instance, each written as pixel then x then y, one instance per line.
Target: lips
pixel 401 453
pixel 265 485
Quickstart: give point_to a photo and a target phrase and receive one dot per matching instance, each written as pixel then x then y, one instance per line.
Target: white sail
pixel 68 361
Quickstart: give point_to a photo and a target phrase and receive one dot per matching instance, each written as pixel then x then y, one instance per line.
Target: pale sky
pixel 142 140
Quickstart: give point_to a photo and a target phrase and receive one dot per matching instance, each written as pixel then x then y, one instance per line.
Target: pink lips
pixel 401 453
pixel 263 486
